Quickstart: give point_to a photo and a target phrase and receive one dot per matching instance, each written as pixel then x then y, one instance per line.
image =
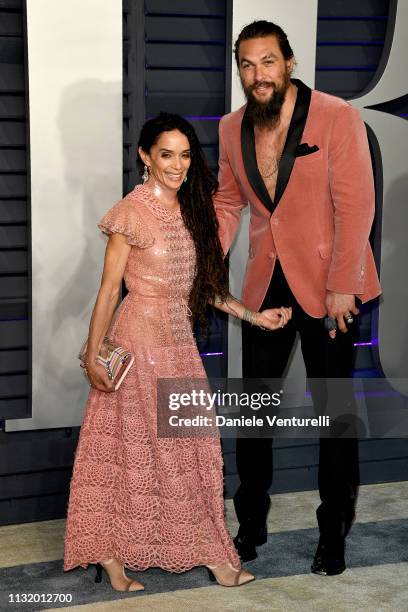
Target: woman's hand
pixel 273 318
pixel 98 377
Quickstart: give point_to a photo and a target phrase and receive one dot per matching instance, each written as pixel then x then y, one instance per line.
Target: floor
pixel 376 578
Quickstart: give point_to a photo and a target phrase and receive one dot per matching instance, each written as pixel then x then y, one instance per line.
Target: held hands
pixel 341 307
pixel 273 318
pixel 98 377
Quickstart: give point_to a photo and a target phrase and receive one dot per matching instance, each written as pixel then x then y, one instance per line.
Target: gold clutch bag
pixel 115 359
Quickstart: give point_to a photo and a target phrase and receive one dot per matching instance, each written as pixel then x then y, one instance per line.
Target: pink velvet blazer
pixel 319 223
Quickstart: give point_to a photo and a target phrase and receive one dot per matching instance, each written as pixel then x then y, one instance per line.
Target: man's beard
pixel 266 114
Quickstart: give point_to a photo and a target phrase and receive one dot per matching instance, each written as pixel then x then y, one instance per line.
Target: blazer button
pixel 275 221
pixel 271 255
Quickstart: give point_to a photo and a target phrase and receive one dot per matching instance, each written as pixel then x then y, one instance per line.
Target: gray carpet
pixel 285 554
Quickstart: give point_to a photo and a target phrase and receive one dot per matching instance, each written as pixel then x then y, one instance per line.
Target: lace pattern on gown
pixel 181 272
pixel 145 500
pixel 181 265
pixel 123 218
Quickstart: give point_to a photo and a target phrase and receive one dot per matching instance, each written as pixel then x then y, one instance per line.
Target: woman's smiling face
pixel 169 159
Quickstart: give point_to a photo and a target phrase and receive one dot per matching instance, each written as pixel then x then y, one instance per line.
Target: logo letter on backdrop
pixel 392 135
pixel 76 174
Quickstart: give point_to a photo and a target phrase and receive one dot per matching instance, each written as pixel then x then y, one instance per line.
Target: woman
pixel 137 500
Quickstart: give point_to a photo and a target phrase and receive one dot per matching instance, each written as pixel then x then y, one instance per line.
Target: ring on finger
pixel 349 317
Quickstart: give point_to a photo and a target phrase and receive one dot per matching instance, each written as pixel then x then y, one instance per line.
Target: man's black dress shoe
pixel 329 559
pixel 246 544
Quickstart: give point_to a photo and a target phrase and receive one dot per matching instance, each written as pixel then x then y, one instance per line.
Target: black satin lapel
pixel 250 164
pixel 293 138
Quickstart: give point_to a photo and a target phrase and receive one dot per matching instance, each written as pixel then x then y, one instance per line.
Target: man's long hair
pixel 197 209
pixel 261 29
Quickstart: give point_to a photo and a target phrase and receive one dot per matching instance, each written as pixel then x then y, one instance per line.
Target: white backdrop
pixel 75 98
pixel 299 20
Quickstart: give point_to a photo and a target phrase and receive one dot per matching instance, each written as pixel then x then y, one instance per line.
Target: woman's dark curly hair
pixel 197 210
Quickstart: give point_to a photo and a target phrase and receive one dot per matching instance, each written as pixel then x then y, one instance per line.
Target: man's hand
pixel 340 306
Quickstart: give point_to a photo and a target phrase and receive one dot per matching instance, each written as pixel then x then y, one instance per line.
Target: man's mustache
pixel 262 84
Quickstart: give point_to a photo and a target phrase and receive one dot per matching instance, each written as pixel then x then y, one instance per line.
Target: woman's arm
pixel 270 319
pixel 116 256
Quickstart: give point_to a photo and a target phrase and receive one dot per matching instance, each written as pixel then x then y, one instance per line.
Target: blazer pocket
pixel 309 157
pixel 325 250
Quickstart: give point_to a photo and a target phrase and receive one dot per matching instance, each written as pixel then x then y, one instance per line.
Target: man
pixel 301 160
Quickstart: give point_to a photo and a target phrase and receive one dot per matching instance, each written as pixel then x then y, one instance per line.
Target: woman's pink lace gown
pixel 145 500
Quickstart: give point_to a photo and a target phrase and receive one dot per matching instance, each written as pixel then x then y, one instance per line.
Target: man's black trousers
pixel 265 355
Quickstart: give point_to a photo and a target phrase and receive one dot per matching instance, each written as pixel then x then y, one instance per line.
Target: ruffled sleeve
pixel 123 218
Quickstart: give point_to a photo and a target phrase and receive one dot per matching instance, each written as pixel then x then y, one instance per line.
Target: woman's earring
pixel 185 179
pixel 145 175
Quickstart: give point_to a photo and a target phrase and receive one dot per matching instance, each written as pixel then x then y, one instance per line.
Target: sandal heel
pixel 238 578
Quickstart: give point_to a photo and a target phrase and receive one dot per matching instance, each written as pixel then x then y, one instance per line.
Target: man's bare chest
pixel 268 147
